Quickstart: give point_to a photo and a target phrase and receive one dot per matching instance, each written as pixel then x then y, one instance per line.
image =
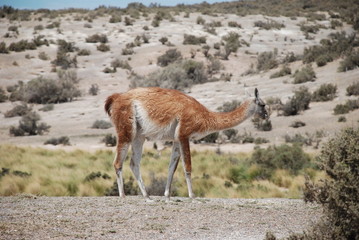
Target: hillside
pixel 74 119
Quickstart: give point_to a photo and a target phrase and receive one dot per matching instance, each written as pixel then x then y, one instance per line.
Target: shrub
pixel 121 64
pixel 289 157
pixel 3 48
pixel 232 43
pixel 163 40
pixel 211 138
pixel 299 102
pixel 64 46
pixel 297 124
pixel 306 74
pixel 53 25
pixel 64 60
pixel 200 20
pixel 193 40
pixel 39 27
pixel 267 60
pixel 129 187
pixel 127 51
pixel 234 24
pixel 109 140
pixel 115 18
pixel 283 72
pixel 323 60
pixel 338 193
pixel 3 96
pixel 157 186
pixel 83 52
pixel 42 90
pixel 326 92
pixel 353 89
pixel 179 75
pixel 22 45
pixel 101 124
pixel 268 25
pixel 94 89
pixel 350 105
pixel 64 140
pixel 97 38
pixel 261 125
pixel 229 106
pixel 47 107
pixel 18 110
pixel 350 62
pixel 170 56
pixel 29 125
pixel 103 47
pixel 342 119
pixel 43 56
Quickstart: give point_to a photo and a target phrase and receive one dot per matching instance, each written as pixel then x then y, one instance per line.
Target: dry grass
pixel 63 173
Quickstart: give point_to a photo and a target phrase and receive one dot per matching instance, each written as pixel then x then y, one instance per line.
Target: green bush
pixel 326 92
pixel 353 89
pixel 97 38
pixel 288 157
pixel 306 74
pixel 64 140
pixel 171 55
pixel 101 124
pixel 193 40
pixel 18 110
pixel 283 72
pixel 299 102
pixel 338 193
pixel 29 125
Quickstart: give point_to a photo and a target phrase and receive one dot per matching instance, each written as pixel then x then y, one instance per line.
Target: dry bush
pixel 64 140
pixel 283 72
pixel 101 124
pixel 267 60
pixel 350 62
pixel 3 96
pixel 193 40
pixel 269 24
pixel 299 102
pixel 97 38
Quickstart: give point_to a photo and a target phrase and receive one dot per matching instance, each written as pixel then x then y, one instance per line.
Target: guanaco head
pixel 260 110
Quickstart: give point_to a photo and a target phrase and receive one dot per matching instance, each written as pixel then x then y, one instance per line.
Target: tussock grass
pixel 66 173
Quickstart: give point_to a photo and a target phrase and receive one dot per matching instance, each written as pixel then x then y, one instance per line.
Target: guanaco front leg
pixel 175 156
pixel 186 160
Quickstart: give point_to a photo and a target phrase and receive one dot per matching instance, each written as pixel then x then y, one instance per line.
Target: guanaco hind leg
pixel 175 156
pixel 137 147
pixel 186 160
pixel 120 157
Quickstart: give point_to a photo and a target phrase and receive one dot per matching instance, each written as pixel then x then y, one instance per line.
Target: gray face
pixel 260 109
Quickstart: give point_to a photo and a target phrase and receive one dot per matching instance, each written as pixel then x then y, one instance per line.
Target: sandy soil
pixel 29 217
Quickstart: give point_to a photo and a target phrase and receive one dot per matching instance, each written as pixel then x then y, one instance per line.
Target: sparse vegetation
pixel 283 72
pixel 171 56
pixel 350 105
pixel 18 110
pixel 64 140
pixel 326 92
pixel 103 47
pixel 269 24
pixel 267 60
pixel 193 40
pixel 306 74
pixel 299 102
pixel 29 125
pixel 350 62
pixel 97 38
pixel 101 124
pixel 109 140
pixel 353 89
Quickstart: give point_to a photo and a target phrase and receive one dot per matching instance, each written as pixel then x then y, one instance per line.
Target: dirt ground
pixel 32 217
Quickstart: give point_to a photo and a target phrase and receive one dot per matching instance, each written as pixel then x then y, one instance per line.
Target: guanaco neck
pixel 225 120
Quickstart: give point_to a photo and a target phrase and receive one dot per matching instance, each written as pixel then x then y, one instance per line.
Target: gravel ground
pixel 30 217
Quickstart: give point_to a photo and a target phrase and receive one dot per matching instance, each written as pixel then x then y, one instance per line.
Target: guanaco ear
pixel 256 93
